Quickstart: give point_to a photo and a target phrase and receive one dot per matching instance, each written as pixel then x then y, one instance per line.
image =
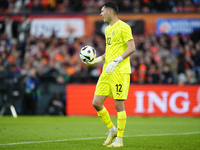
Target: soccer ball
pixel 87 54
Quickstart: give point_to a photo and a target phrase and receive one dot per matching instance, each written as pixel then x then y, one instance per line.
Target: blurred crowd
pixel 93 6
pixel 158 59
pixel 166 60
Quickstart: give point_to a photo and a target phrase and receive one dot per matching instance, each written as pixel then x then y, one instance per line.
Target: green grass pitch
pixel 88 133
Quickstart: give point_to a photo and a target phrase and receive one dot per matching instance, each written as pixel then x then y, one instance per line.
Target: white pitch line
pixel 92 138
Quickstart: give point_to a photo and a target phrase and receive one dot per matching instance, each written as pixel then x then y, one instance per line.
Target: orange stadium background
pixel 143 100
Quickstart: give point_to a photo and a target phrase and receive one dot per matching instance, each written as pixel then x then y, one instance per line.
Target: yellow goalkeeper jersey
pixel 116 37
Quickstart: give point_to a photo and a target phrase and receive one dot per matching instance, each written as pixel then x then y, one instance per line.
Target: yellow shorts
pixel 114 85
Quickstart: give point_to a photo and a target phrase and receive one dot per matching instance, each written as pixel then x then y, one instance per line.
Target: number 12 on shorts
pixel 118 88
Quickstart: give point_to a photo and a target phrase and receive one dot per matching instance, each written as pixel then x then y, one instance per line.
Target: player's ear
pixel 109 11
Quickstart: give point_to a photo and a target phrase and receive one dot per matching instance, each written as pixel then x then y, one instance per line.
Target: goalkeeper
pixel 115 78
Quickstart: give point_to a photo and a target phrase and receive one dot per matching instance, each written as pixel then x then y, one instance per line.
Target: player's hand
pixel 111 66
pixel 96 60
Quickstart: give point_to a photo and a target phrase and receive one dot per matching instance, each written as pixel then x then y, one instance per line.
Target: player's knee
pixel 95 104
pixel 119 107
pixel 98 106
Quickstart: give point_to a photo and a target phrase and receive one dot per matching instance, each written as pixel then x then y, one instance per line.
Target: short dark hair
pixel 112 5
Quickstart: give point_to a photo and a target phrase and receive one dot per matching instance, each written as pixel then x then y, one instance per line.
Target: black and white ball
pixel 87 53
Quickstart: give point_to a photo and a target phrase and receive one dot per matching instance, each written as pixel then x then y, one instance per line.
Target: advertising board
pixel 143 100
pixel 63 27
pixel 177 25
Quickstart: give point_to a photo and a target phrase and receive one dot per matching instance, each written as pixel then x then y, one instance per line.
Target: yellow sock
pixel 121 123
pixel 105 117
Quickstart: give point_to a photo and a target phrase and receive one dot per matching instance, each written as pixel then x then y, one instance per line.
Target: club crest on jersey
pixel 113 33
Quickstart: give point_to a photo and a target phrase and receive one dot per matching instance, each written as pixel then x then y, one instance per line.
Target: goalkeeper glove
pixel 96 60
pixel 111 66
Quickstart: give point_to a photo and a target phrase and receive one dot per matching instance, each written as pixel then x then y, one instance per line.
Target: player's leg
pixel 121 118
pixel 121 123
pixel 98 102
pixel 120 92
pixel 105 117
pixel 102 111
pixel 101 93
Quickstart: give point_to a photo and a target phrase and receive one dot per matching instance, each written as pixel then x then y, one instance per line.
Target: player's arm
pixel 96 60
pixel 131 49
